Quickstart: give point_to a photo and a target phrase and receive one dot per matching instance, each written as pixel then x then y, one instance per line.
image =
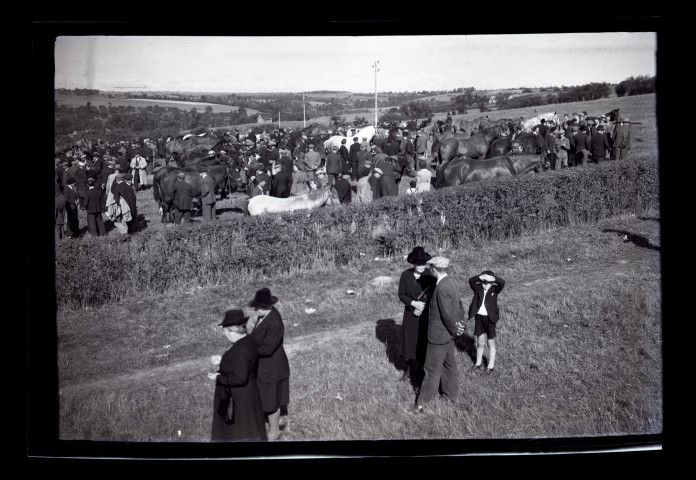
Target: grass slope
pixel 579 349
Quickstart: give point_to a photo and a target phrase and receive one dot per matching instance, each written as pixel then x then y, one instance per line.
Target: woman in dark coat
pixel 415 287
pixel 237 377
pixel 388 185
pixel 273 373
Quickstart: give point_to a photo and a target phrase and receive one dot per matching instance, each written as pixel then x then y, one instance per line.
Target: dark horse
pixel 164 181
pixel 464 170
pixel 528 143
pixel 451 145
pixel 176 147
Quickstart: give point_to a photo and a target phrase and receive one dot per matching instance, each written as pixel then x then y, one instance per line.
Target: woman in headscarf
pixel 237 413
pixel 273 374
pixel 415 286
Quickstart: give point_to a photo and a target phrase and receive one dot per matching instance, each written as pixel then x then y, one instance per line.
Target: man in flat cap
pixel 312 160
pixel 334 162
pixel 183 199
pixel 126 190
pixel 599 145
pixel 208 198
pixel 354 160
pixel 444 321
pixel 622 139
pixel 72 201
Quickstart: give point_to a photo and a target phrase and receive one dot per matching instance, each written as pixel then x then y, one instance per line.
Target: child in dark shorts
pixel 485 313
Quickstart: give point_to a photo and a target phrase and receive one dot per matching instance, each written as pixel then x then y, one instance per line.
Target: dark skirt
pixel 414 335
pixel 274 395
pixel 249 421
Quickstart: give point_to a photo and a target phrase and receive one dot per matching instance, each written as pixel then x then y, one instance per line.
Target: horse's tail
pixel 156 190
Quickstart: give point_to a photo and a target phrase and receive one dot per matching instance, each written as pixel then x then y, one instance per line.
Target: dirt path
pixel 202 365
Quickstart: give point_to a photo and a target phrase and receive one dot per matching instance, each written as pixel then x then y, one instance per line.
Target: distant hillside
pixel 97 100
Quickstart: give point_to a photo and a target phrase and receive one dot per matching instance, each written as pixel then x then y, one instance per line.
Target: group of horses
pixel 479 149
pixel 464 150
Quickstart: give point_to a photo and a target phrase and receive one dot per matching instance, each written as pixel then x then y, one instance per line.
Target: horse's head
pixel 234 178
pixel 613 115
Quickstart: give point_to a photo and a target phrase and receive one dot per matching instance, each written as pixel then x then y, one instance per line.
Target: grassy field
pixel 98 100
pixel 579 346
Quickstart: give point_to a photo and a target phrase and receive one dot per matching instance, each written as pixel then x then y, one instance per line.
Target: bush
pixel 210 254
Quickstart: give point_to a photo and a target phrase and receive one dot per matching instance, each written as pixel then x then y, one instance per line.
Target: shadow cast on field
pixel 637 240
pixel 467 344
pixel 389 333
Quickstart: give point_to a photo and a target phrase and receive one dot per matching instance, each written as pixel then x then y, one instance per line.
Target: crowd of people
pixel 285 163
pixel 102 180
pixel 579 139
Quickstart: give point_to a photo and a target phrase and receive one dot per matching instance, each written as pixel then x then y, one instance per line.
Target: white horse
pixel 367 132
pixel 534 121
pixel 315 198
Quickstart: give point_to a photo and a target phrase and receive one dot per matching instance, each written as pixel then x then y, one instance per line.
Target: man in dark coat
pixel 393 146
pixel 599 145
pixel 410 152
pixel 343 151
pixel 354 160
pixel 375 183
pixel 95 207
pixel 581 144
pixel 72 200
pixel 123 163
pixel 444 323
pixel 208 197
pixel 333 165
pixel 183 199
pixel 59 219
pixel 281 184
pixel 125 189
pixel 273 152
pixel 485 312
pixel 550 146
pixel 236 380
pixel 343 187
pixel 622 139
pixel 81 182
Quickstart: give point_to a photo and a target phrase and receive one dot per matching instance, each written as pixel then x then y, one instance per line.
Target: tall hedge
pixel 94 271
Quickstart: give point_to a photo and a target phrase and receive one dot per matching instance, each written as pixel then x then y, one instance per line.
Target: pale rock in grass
pixel 382 281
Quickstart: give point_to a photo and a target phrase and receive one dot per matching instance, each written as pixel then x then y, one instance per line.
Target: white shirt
pixel 482 310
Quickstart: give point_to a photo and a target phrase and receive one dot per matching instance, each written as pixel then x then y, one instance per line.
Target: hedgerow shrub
pixel 94 271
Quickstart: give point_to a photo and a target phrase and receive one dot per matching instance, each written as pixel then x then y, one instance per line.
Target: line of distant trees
pixel 637 86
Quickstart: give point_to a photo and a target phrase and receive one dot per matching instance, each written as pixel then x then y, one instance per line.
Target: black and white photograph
pixel 293 241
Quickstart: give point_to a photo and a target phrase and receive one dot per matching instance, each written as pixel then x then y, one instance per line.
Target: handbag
pixel 226 407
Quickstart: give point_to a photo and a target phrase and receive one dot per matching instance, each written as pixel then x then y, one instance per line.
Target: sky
pixel 346 63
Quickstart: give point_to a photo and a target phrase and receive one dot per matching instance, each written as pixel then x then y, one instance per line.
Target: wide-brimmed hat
pixel 263 299
pixel 234 317
pixel 418 256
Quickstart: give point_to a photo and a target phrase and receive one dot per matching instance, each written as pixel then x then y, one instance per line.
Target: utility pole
pixel 376 70
pixel 304 113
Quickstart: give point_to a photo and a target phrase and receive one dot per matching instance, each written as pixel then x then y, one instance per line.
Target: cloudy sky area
pixel 296 64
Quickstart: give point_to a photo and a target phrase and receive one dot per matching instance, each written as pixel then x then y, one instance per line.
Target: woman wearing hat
pixel 415 285
pixel 236 382
pixel 273 374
